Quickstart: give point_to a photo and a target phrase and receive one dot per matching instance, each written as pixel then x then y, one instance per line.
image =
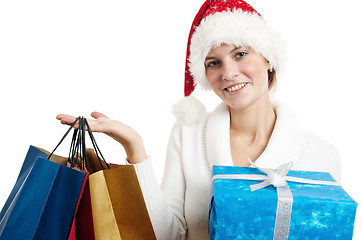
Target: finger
pixel 66 119
pixel 98 115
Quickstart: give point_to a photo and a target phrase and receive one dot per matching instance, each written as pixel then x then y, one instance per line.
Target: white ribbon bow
pixel 274 177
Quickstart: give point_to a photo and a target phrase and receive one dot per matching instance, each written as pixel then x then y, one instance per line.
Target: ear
pixel 270 67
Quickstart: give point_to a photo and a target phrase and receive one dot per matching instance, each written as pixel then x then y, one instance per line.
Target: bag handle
pixel 62 139
pixel 77 152
pixel 95 145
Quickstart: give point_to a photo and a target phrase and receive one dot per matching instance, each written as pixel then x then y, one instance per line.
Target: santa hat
pixel 233 22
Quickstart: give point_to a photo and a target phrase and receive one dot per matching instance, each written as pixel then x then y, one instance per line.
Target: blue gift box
pixel 318 211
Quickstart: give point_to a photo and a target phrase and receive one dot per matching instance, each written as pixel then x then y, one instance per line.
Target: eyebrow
pixel 233 50
pixel 208 58
pixel 236 48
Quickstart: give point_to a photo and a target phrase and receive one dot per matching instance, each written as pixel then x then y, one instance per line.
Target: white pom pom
pixel 189 110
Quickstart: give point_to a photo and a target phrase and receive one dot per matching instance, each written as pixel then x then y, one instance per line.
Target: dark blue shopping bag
pixel 43 200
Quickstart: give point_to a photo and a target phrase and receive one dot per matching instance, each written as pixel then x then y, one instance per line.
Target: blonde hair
pixel 272 81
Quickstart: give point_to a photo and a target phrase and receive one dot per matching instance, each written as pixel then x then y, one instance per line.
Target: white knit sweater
pixel 179 209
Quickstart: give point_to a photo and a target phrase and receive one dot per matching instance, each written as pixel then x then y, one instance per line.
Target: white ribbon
pixel 279 180
pixel 273 177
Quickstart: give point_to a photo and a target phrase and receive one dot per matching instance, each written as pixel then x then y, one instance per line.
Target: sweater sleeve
pixel 165 206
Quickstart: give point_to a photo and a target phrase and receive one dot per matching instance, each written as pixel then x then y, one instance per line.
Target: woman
pixel 232 51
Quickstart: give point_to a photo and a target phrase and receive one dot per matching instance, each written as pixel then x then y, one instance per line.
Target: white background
pixel 126 59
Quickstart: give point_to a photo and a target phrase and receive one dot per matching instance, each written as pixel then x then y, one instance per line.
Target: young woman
pixel 234 52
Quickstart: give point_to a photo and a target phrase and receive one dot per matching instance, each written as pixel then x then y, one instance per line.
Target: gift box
pixel 316 208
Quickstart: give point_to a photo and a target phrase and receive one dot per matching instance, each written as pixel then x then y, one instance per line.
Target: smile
pixel 236 87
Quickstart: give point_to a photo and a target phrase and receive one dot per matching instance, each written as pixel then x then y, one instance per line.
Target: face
pixel 238 75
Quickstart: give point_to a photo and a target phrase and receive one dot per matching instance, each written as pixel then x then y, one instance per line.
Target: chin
pixel 244 102
pixel 238 104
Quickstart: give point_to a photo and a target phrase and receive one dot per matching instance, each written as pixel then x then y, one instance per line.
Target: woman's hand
pixel 125 135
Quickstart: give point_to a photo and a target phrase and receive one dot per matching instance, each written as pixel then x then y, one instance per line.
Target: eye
pixel 241 54
pixel 212 64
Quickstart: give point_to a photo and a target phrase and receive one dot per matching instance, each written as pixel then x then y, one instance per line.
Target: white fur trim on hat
pixel 189 110
pixel 247 29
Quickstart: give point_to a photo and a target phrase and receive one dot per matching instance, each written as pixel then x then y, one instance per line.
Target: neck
pixel 255 123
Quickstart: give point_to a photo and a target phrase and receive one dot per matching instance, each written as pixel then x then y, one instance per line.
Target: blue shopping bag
pixel 43 200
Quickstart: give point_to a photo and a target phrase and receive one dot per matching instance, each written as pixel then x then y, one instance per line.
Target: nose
pixel 230 70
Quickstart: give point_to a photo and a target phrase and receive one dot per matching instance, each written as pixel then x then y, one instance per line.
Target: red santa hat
pixel 233 22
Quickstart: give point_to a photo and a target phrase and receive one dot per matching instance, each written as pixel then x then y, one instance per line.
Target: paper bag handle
pixel 78 147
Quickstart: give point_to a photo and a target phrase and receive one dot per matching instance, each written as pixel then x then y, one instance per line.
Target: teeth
pixel 236 87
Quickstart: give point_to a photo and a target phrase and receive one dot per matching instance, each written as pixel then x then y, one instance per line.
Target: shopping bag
pixel 82 226
pixel 119 210
pixel 29 161
pixel 45 195
pixel 42 202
